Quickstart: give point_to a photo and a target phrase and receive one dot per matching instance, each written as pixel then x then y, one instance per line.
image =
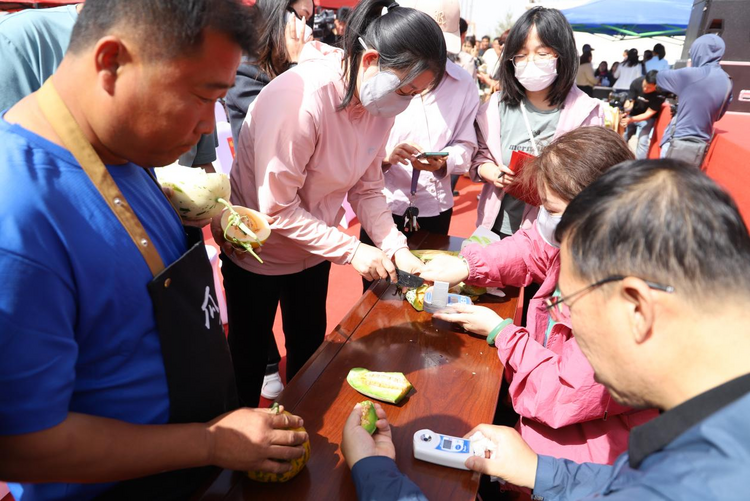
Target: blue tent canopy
pixel 634 18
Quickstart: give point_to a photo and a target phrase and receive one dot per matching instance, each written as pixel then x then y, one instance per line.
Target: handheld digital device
pixel 442 449
pixel 426 154
pixel 437 298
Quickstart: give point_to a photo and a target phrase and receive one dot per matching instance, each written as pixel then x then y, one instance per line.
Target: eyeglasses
pixel 560 311
pixel 523 59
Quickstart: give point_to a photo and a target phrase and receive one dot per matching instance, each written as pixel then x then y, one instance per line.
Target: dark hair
pixel 486 37
pixel 343 14
pixel 463 26
pixel 614 66
pixel 651 77
pixel 632 59
pixel 471 39
pixel 586 57
pixel 504 37
pixel 499 40
pixel 659 220
pixel 165 28
pixel 574 160
pixel 405 38
pixel 647 55
pixel 273 58
pixel 555 32
pixel 659 50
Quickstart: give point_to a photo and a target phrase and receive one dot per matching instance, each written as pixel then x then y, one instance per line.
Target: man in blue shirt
pixel 84 388
pixel 32 45
pixel 654 265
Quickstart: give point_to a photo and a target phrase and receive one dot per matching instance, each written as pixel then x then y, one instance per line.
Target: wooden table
pixel 456 378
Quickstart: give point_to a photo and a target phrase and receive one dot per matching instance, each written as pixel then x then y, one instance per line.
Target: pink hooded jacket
pixel 298 157
pixel 578 110
pixel 564 412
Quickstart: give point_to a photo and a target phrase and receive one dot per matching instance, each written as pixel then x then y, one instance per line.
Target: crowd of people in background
pixel 384 107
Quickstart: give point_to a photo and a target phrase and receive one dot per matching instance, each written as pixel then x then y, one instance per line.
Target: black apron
pixel 196 356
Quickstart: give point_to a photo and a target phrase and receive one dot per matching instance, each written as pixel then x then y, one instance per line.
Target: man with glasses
pixel 655 260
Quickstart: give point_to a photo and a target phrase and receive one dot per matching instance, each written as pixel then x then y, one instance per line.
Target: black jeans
pixel 439 224
pixel 252 300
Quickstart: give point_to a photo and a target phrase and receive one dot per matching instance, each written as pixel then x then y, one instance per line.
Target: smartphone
pixel 426 154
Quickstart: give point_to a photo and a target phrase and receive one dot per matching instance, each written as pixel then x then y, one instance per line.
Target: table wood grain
pixel 456 378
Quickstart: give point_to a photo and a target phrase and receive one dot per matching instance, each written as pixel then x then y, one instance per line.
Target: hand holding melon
pixel 358 442
pixel 263 440
pixel 199 195
pixel 296 463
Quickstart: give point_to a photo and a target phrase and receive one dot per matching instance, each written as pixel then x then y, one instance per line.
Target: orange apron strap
pixel 63 123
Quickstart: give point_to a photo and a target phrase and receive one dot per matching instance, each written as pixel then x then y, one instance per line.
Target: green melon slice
pixel 386 386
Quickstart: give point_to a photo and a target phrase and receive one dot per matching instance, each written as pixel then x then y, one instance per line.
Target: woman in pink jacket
pixel 314 135
pixel 564 411
pixel 538 102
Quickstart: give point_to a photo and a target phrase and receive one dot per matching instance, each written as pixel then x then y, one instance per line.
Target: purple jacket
pixel 578 110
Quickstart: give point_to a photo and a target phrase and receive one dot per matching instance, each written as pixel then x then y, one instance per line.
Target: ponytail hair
pixel 405 38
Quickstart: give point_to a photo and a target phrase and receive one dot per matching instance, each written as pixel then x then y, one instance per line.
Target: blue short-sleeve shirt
pixel 77 327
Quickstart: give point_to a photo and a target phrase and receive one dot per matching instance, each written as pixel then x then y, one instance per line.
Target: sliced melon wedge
pixel 386 386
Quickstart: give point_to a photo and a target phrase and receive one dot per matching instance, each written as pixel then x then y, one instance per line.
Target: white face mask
pixel 537 75
pixel 546 224
pixel 378 94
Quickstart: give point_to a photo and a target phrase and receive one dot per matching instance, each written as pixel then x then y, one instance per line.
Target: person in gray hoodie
pixel 704 91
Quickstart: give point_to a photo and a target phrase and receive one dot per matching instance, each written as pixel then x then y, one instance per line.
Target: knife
pixel 408 280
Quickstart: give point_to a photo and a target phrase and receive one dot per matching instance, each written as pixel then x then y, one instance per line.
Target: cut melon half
pixel 386 386
pixel 244 228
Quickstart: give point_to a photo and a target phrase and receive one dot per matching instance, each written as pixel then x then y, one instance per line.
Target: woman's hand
pixel 358 444
pixel 514 461
pixel 449 269
pixel 408 262
pixel 402 153
pixel 295 40
pixel 373 264
pixel 477 319
pixel 430 164
pixel 227 248
pixel 499 175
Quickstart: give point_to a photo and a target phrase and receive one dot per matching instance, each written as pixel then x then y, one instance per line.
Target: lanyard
pixel 65 126
pixel 528 129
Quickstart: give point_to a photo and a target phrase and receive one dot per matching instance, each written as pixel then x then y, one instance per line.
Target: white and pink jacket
pixel 298 157
pixel 578 110
pixel 564 412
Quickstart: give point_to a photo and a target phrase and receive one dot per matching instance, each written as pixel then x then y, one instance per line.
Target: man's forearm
pixel 565 480
pixel 643 116
pixel 86 448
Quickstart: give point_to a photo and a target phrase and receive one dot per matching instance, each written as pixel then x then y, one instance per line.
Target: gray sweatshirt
pixel 701 89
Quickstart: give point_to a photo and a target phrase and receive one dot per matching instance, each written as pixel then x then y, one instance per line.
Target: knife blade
pixel 409 280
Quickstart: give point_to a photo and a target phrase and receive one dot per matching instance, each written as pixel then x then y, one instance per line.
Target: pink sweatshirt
pixel 552 385
pixel 298 157
pixel 578 110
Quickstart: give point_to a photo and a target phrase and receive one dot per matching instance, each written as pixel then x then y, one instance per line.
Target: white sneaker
pixel 272 386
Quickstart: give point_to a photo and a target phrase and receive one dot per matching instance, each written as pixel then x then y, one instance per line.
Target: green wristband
pixel 493 334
